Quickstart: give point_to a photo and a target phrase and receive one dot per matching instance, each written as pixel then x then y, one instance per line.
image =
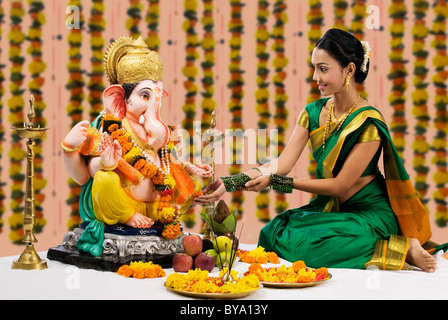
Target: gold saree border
pixel 304 120
pixel 389 254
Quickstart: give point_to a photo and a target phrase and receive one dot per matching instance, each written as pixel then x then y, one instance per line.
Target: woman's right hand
pixel 77 134
pixel 218 189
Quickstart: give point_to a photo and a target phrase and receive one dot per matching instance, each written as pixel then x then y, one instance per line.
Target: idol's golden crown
pixel 128 61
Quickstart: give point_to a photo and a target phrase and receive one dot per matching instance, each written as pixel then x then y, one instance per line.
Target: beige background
pixel 56 96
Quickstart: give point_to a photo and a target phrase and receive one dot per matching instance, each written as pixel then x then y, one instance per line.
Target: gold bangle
pixel 68 149
pixel 103 167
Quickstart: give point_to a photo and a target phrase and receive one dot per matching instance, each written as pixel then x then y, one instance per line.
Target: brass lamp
pixel 29 259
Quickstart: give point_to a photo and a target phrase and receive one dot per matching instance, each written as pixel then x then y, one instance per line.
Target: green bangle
pixel 261 173
pixel 228 184
pixel 281 184
pixel 240 180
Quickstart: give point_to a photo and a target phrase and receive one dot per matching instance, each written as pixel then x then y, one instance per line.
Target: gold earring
pixel 347 82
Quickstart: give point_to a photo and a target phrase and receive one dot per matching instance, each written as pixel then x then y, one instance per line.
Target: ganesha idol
pixel 125 160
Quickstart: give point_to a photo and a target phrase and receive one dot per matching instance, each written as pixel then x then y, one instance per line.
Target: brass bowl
pixel 30 133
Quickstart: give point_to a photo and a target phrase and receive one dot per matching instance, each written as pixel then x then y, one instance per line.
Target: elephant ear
pixel 113 99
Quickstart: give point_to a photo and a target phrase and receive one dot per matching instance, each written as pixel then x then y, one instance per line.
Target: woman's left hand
pixel 257 184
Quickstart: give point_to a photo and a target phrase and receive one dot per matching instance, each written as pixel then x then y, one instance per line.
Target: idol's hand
pixel 77 134
pixel 257 184
pixel 110 151
pixel 218 189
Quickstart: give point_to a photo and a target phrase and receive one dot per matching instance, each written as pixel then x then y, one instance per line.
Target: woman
pixel 358 218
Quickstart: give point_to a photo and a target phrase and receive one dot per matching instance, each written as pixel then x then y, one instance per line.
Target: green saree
pixel 373 227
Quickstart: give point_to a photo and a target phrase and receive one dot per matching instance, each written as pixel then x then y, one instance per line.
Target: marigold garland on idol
pixel 29 259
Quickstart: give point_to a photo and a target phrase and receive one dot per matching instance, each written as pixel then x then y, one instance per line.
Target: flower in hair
pixel 367 55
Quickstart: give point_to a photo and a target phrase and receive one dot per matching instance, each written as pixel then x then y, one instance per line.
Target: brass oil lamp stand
pixel 209 136
pixel 29 259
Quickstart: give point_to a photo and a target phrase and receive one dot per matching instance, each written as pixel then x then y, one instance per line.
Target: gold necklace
pixel 332 118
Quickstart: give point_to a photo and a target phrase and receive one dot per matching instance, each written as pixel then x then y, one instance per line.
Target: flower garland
pixel 398 126
pixel 340 10
pixel 208 45
pixel 96 86
pixel 357 27
pixel 152 20
pixel 315 19
pixel 280 62
pixel 36 68
pixel 74 108
pixel 134 13
pixel 141 270
pixel 420 98
pixel 235 84
pixel 262 36
pixel 2 129
pixel 439 144
pixel 16 118
pixel 190 72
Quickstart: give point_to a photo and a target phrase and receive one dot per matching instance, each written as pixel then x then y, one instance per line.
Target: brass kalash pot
pixel 29 259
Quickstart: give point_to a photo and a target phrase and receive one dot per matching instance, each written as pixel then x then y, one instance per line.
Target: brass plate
pixel 236 295
pixel 293 284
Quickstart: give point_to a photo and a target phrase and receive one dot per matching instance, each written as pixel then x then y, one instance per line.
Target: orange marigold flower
pixel 296 266
pixel 110 117
pixel 255 267
pixel 261 259
pixel 171 232
pixel 322 271
pixel 158 178
pixel 139 164
pixel 116 134
pixel 304 279
pixel 125 271
pixel 139 273
pixel 126 147
pixel 152 171
pixel 162 204
pixel 112 127
pixel 166 198
pixel 272 257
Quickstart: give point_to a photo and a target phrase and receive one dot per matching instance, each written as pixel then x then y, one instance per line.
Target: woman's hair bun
pixel 344 48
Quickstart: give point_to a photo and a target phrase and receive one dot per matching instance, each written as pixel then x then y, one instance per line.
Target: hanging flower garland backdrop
pixel 280 62
pixel 236 83
pixel 439 144
pixel 315 18
pixel 36 67
pixel 419 97
pixel 357 29
pixel 96 25
pixel 398 73
pixel 152 21
pixel 16 118
pixel 269 51
pixel 75 108
pixel 2 128
pixel 262 36
pixel 190 72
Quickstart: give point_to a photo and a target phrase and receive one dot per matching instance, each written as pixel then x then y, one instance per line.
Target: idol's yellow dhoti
pixel 112 204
